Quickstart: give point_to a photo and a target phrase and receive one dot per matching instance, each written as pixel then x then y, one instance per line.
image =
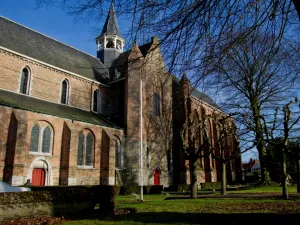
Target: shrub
pixel 150 189
pixel 250 178
pixel 102 194
pixel 178 188
pixel 183 187
pixel 211 185
pixel 155 189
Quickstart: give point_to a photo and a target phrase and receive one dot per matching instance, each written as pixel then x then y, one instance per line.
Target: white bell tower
pixel 110 43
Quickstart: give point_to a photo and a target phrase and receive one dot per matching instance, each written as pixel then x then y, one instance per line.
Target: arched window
pixel 34 139
pixel 25 79
pixel 156 104
pixel 110 43
pixel 85 154
pixel 170 160
pixel 96 101
pixel 46 140
pixel 80 149
pixel 64 98
pixel 89 150
pixel 41 142
pixel 119 154
pixel 148 157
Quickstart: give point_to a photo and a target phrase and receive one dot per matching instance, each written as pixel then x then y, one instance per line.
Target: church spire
pixel 110 43
pixel 111 24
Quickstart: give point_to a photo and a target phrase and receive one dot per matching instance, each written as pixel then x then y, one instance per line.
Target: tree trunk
pixel 298 175
pixel 284 177
pixel 223 182
pixel 259 137
pixel 193 171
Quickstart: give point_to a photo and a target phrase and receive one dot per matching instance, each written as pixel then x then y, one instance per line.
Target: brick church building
pixel 69 118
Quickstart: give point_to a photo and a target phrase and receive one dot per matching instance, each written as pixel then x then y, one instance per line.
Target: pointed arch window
pixel 46 140
pixel 156 101
pixel 89 150
pixel 85 153
pixel 148 158
pixel 119 154
pixel 64 97
pixel 96 101
pixel 80 149
pixel 25 81
pixel 41 140
pixel 34 139
pixel 170 160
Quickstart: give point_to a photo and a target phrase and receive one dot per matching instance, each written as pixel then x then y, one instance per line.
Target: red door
pixel 38 177
pixel 156 177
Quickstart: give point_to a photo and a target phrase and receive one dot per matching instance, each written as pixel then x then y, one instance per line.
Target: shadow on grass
pixel 206 218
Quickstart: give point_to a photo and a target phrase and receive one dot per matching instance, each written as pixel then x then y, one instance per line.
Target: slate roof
pixel 25 102
pixel 198 94
pixel 250 164
pixel 111 24
pixel 38 46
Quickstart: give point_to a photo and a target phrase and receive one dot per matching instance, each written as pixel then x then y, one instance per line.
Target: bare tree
pixel 285 132
pixel 256 74
pixel 227 146
pixel 215 135
pixel 189 31
pixel 200 35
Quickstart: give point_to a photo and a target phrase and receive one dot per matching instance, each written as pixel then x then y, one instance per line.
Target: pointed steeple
pixel 110 43
pixel 184 77
pixel 185 83
pixel 111 24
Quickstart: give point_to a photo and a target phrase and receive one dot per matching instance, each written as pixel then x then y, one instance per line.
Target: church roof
pixel 198 94
pixel 204 97
pixel 25 102
pixel 123 57
pixel 40 47
pixel 111 24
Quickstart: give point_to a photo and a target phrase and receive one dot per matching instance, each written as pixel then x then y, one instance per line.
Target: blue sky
pixel 55 23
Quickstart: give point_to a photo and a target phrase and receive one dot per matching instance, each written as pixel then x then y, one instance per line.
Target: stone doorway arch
pixel 40 167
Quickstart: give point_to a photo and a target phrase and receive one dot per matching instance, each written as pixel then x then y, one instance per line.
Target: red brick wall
pixel 46 82
pixel 63 161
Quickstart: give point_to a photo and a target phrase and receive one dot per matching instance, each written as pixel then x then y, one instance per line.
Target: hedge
pixel 150 189
pixel 57 201
pixel 186 187
pixel 178 188
pixel 211 185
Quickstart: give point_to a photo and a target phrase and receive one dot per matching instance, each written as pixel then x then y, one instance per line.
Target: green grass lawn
pixel 266 189
pixel 156 210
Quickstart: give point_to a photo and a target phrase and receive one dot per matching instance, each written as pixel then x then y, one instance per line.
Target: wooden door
pixel 156 177
pixel 38 177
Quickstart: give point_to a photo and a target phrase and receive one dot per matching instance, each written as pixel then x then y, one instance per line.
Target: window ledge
pixel 85 167
pixel 40 153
